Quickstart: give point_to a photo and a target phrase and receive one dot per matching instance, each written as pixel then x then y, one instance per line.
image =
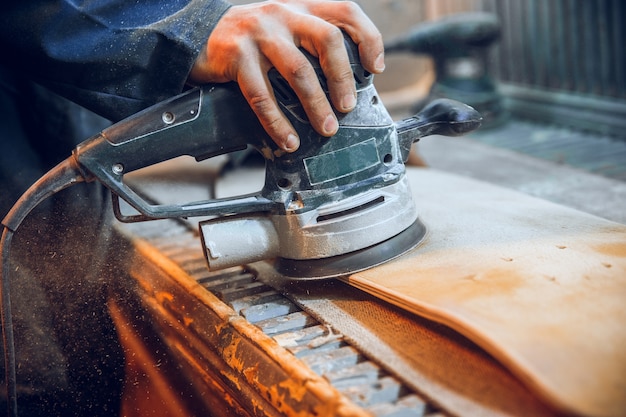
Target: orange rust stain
pixel 296 389
pixel 219 327
pixel 234 378
pixel 163 296
pixel 229 354
pixel 251 373
pixel 231 357
pixel 612 249
pixel 278 400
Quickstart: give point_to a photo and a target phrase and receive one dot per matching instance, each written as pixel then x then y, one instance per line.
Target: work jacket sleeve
pixel 114 57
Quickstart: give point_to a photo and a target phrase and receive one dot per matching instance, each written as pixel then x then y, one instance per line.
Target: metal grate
pixel 315 344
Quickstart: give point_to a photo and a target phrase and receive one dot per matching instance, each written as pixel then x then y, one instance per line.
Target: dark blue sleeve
pixel 114 57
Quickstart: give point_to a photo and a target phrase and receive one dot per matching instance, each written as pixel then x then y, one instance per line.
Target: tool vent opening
pixel 352 210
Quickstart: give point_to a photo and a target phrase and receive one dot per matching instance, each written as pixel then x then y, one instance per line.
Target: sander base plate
pixel 346 264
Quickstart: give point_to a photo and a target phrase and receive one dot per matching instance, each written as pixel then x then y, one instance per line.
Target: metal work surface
pixel 314 339
pixel 286 341
pixel 264 341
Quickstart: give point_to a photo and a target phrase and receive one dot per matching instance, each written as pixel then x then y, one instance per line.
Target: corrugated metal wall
pixel 572 46
pixel 557 61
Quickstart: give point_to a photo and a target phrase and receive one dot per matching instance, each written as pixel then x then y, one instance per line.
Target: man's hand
pixel 249 40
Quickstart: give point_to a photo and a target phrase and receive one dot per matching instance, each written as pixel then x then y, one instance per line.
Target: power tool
pixel 336 205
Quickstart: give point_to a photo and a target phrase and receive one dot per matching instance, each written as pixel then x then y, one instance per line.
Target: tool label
pixel 342 162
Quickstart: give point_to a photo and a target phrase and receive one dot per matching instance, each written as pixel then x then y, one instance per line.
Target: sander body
pixel 335 206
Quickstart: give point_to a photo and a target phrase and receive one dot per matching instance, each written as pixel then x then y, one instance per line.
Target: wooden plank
pixel 540 286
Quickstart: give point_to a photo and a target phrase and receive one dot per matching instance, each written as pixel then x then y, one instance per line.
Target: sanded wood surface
pixel 540 286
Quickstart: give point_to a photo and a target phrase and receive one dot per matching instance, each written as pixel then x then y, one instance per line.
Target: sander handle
pixel 203 122
pixel 439 117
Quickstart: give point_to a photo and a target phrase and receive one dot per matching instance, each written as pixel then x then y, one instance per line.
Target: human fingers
pixel 258 92
pixel 232 53
pixel 349 17
pixel 291 63
pixel 251 39
pixel 326 41
pixel 269 35
pixel 318 28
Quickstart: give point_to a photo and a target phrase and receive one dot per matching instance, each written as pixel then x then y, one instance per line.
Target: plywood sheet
pixel 539 286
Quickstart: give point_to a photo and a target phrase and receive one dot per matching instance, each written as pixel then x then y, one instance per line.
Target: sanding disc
pixel 352 262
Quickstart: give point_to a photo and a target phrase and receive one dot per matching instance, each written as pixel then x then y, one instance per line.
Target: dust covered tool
pixel 338 205
pixel 334 206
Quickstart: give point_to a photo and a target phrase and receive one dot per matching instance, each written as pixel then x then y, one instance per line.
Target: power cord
pixel 64 175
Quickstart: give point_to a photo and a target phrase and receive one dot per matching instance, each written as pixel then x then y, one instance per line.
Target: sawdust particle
pixel 606 265
pixel 561 247
pixel 507 259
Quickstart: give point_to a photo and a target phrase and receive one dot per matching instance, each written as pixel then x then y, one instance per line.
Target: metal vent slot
pixel 361 76
pixel 352 210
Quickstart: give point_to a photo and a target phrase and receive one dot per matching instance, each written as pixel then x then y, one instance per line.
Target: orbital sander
pixel 335 206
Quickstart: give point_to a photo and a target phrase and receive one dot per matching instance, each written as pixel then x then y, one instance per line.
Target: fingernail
pixel 379 64
pixel 330 125
pixel 348 102
pixel 292 143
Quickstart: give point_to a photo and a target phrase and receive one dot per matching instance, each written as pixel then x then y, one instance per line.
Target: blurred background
pixel 559 61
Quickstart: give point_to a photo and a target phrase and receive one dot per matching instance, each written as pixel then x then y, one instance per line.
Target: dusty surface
pixel 539 286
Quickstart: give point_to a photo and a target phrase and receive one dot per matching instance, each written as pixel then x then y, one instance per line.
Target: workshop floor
pixel 585 172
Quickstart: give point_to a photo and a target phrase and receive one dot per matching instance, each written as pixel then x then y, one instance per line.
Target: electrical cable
pixel 7 326
pixel 64 175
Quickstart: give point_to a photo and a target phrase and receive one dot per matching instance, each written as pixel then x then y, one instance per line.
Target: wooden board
pixel 539 286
